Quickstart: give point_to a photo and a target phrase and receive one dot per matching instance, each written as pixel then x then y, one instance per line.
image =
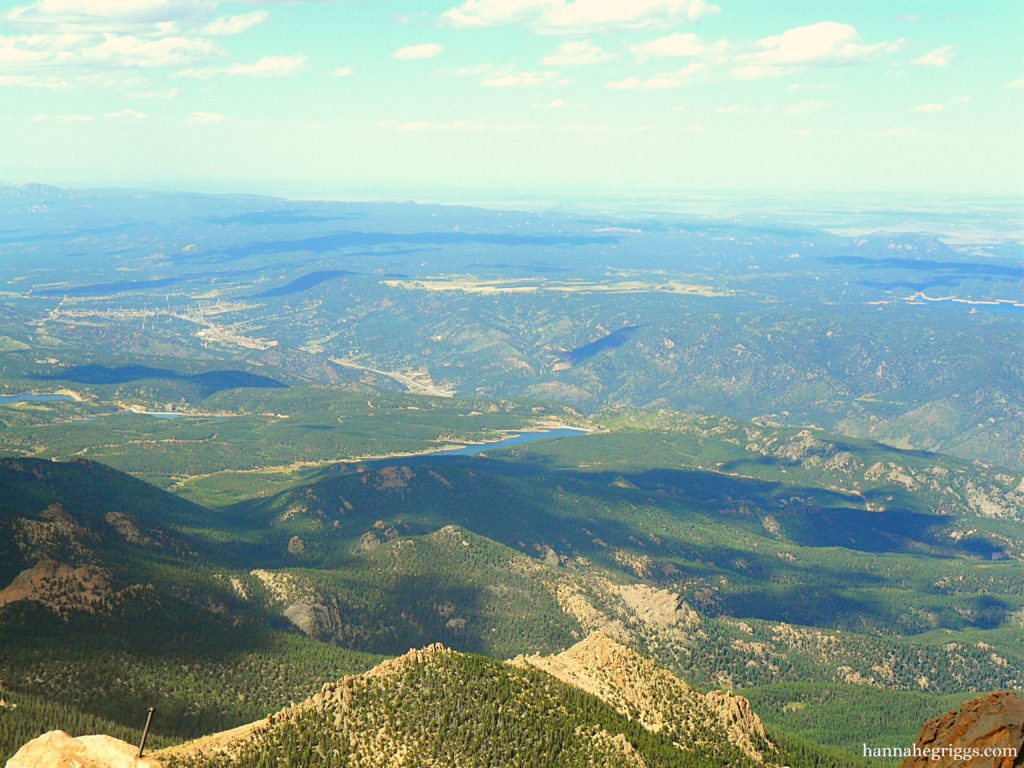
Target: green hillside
pixel 435 707
pixel 802 570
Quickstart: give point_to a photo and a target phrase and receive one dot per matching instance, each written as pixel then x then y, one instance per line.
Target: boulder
pixel 991 722
pixel 57 749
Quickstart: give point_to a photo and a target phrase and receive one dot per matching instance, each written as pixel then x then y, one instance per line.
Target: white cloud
pixel 478 69
pixel 760 72
pixel 519 79
pixel 804 87
pixel 826 42
pixel 427 126
pixel 134 51
pixel 235 25
pixel 77 55
pixel 908 133
pixel 585 128
pixel 124 114
pixel 1016 85
pixel 591 14
pixel 553 104
pixel 488 13
pixel 940 57
pixel 64 82
pixel 170 93
pixel 202 73
pixel 269 66
pixel 576 15
pixel 678 45
pixel 419 51
pixel 205 118
pixel 70 40
pixel 929 108
pixel 808 107
pixel 662 82
pixel 113 15
pixel 343 72
pixel 24 50
pixel 576 53
pixel 741 109
pixel 45 118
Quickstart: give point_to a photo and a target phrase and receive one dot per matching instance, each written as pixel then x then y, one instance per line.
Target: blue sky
pixel 391 98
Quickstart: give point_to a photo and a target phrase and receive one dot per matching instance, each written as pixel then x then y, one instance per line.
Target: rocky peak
pixel 653 696
pixel 741 723
pixel 416 656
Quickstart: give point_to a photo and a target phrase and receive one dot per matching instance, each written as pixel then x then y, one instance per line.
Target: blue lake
pixel 28 397
pixel 517 439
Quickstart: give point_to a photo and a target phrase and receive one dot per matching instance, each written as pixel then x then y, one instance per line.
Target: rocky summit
pixel 598 703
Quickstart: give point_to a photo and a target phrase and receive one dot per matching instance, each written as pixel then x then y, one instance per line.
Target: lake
pixel 517 439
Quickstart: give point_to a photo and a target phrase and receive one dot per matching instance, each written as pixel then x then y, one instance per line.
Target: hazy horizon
pixel 963 219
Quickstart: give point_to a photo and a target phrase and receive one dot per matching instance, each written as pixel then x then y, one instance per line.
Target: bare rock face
pixel 59 586
pixel 58 750
pixel 366 542
pixel 658 607
pixel 742 724
pixel 994 722
pixel 662 703
pixel 314 618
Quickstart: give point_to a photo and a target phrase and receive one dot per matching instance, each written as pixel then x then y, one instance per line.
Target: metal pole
pixel 145 731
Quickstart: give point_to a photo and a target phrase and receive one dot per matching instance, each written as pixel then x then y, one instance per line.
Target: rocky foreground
pixel 57 749
pixel 993 723
pixel 597 703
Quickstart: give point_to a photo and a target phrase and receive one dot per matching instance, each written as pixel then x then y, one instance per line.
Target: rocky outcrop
pixel 128 530
pixel 743 726
pixel 57 749
pixel 393 478
pixel 991 723
pixel 301 604
pixel 315 618
pixel 368 541
pixel 59 586
pixel 662 703
pixel 658 607
pixel 411 658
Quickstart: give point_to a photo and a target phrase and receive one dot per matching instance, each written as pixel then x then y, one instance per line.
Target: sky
pixel 546 97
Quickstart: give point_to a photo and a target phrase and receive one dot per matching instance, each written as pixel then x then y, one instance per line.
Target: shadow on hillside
pixel 339 240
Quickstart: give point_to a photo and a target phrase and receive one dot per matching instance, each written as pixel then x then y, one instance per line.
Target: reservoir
pixel 518 438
